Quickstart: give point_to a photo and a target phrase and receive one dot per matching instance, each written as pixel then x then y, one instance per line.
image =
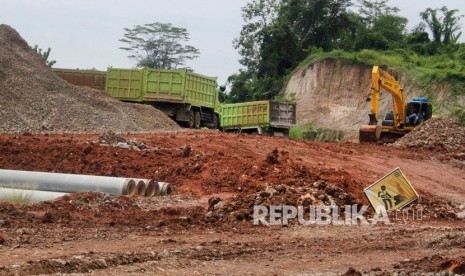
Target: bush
pixel 298 130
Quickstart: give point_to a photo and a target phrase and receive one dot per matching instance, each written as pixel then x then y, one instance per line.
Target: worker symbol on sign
pixel 386 197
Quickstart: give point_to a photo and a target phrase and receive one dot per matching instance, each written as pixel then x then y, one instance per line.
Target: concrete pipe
pixel 66 183
pixel 141 186
pixel 152 188
pixel 27 196
pixel 165 188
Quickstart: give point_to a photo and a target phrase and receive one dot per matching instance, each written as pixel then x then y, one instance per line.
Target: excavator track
pixel 369 134
pixel 389 137
pixel 373 134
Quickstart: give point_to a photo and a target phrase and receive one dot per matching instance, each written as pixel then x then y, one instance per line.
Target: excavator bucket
pixel 369 133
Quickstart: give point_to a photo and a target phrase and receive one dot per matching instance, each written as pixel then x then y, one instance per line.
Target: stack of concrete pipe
pixel 42 186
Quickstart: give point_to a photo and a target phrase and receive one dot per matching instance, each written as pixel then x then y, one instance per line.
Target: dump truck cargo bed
pixel 153 85
pixel 90 78
pixel 189 98
pixel 263 114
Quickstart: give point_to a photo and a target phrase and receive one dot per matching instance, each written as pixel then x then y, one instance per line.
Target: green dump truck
pixel 89 78
pixel 260 116
pixel 187 97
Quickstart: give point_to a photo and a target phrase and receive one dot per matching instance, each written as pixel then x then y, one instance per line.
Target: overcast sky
pixel 84 33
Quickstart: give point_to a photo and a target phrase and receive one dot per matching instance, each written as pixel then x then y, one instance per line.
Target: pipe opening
pixel 165 188
pixel 152 188
pixel 141 188
pixel 130 187
pixel 169 189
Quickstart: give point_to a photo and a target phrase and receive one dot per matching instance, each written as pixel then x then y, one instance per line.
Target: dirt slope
pixel 333 93
pixel 33 98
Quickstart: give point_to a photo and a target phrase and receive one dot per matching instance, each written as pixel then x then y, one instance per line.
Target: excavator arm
pixel 381 80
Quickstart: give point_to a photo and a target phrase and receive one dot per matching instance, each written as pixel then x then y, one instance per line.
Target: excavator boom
pixel 382 80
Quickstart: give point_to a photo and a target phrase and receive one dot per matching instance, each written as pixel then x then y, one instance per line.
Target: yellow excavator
pixel 404 116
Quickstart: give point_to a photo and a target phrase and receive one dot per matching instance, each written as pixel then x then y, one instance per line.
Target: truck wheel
pixel 215 124
pixel 190 123
pixel 197 119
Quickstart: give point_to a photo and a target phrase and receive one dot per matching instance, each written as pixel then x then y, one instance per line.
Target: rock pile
pixel 110 138
pixel 440 134
pixel 34 99
pixel 241 207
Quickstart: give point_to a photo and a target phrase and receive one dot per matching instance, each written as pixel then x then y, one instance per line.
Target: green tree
pixel 315 23
pixel 377 26
pixel 371 10
pixel 241 88
pixel 158 45
pixel 445 27
pixel 44 55
pixel 257 16
pixel 418 40
pixel 277 35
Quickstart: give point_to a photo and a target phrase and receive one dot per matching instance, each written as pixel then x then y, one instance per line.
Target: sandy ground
pixel 103 235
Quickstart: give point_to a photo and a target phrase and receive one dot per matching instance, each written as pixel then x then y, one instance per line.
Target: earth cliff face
pixel 331 94
pixel 335 94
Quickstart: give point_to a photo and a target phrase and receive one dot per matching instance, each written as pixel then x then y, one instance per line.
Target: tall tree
pixel 316 23
pixel 277 35
pixel 445 27
pixel 241 88
pixel 371 10
pixel 432 20
pixel 257 16
pixel 379 26
pixel 158 45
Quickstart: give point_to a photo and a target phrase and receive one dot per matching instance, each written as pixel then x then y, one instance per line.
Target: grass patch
pixel 297 131
pixel 16 196
pixel 441 67
pixel 307 131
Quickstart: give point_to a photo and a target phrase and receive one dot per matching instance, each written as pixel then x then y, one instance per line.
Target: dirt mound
pixel 82 210
pixel 438 134
pixel 110 138
pixel 318 193
pixel 34 99
pixel 241 207
pixel 232 172
pixel 456 266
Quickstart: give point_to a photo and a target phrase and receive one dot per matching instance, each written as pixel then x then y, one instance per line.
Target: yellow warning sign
pixel 391 192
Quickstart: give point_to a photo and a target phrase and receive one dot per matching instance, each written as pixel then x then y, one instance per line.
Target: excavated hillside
pixel 334 94
pixel 33 98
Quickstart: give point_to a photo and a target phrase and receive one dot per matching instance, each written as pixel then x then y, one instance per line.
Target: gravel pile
pixel 34 99
pixel 435 134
